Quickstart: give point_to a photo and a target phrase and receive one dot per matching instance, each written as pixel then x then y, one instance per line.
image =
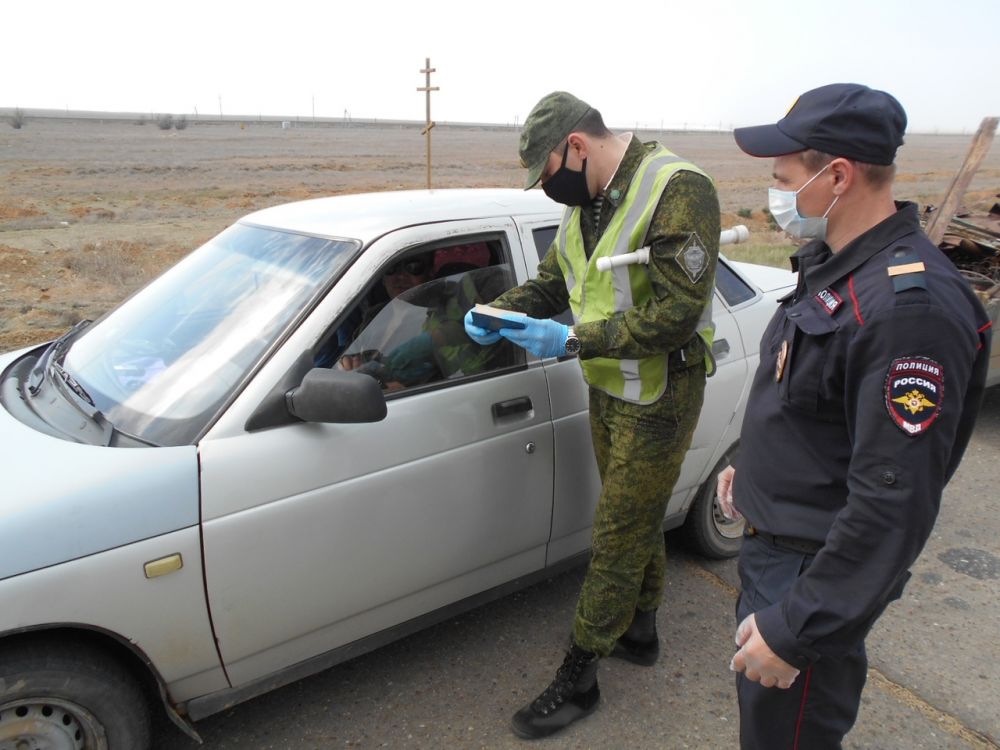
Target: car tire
pixel 71 696
pixel 705 529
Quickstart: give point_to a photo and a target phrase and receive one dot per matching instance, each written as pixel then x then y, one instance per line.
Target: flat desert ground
pixel 91 209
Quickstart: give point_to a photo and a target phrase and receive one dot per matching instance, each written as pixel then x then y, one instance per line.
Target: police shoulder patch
pixel 829 300
pixel 692 257
pixel 914 393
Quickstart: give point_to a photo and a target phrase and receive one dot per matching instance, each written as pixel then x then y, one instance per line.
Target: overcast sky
pixel 696 63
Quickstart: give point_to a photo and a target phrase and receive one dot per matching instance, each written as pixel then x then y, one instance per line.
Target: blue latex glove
pixel 412 360
pixel 481 336
pixel 541 337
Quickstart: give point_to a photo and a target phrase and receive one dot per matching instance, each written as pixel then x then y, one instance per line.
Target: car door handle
pixel 503 409
pixel 720 349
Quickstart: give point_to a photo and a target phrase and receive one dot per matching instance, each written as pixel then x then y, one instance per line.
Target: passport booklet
pixel 495 318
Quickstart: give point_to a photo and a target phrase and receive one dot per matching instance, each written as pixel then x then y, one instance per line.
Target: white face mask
pixel 784 208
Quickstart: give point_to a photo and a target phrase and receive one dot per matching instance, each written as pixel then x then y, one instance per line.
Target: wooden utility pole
pixel 938 223
pixel 430 123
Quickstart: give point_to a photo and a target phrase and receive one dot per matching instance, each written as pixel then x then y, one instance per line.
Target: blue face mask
pixel 784 208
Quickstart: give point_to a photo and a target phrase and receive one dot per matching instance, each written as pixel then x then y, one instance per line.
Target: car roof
pixel 366 216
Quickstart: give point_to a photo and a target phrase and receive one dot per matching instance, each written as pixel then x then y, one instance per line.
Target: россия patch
pixel 914 392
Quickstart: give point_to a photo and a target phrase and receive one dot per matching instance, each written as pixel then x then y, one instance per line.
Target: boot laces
pixel 562 687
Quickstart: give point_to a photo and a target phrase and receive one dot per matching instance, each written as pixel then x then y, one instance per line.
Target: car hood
pixel 767 278
pixel 62 500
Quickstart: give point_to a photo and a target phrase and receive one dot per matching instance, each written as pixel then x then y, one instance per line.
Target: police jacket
pixel 871 374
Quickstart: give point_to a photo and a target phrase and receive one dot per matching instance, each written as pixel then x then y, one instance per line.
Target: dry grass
pixel 13 211
pixel 90 211
pixel 765 254
pixel 118 263
pixel 44 293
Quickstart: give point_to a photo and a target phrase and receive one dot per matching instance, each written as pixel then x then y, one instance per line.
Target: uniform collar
pixel 822 267
pixel 635 152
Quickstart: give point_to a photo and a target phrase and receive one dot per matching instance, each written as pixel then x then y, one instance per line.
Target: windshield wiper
pixel 47 376
pixel 63 413
pixel 76 397
pixel 50 354
pixel 70 382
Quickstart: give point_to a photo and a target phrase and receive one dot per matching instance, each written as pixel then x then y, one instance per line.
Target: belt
pixel 789 543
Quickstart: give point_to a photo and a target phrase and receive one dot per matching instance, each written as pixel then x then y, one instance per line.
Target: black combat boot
pixel 572 695
pixel 639 644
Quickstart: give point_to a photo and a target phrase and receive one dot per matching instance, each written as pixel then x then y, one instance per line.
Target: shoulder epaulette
pixel 906 270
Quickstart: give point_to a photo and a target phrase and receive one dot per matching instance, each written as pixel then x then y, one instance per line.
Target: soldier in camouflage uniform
pixel 636 330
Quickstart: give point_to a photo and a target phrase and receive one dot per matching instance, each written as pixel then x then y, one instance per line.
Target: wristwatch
pixel 572 342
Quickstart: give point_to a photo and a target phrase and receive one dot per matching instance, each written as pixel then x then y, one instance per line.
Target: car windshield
pixel 160 366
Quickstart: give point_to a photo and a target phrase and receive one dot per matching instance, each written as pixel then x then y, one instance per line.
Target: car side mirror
pixel 335 396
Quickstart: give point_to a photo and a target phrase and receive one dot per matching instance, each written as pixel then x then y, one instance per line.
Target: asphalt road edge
pixel 900 693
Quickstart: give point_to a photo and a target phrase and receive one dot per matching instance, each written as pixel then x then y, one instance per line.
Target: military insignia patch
pixel 692 257
pixel 914 392
pixel 829 300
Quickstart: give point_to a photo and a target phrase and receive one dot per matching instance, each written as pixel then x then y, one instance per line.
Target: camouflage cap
pixel 551 120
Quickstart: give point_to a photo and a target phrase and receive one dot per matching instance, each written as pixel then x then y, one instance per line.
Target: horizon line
pixel 88 114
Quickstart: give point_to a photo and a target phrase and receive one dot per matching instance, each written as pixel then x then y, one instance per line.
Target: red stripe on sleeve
pixel 982 339
pixel 854 300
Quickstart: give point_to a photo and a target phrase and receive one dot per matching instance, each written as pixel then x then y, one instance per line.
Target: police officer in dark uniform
pixel 871 374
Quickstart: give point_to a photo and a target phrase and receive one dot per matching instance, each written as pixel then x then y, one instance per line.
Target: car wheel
pixel 60 697
pixel 708 531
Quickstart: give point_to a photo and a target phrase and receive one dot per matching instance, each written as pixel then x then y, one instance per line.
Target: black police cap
pixel 842 119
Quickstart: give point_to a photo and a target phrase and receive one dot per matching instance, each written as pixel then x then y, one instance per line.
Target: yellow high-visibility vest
pixel 597 295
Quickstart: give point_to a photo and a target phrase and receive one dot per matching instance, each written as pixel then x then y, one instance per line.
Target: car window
pixel 543 237
pixel 407 329
pixel 733 289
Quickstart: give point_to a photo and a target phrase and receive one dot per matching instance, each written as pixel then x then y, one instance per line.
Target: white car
pixel 264 463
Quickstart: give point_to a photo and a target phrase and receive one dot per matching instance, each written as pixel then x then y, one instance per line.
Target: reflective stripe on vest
pixel 597 295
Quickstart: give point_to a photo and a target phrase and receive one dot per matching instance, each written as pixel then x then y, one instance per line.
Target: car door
pixel 723 395
pixel 577 483
pixel 318 535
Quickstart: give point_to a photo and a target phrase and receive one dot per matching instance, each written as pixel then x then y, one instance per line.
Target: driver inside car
pixel 400 277
pixel 439 348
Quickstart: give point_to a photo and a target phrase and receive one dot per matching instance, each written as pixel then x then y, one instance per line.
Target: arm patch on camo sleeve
pixel 692 258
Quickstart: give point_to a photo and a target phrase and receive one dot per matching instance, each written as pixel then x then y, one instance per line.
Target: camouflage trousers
pixel 639 453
